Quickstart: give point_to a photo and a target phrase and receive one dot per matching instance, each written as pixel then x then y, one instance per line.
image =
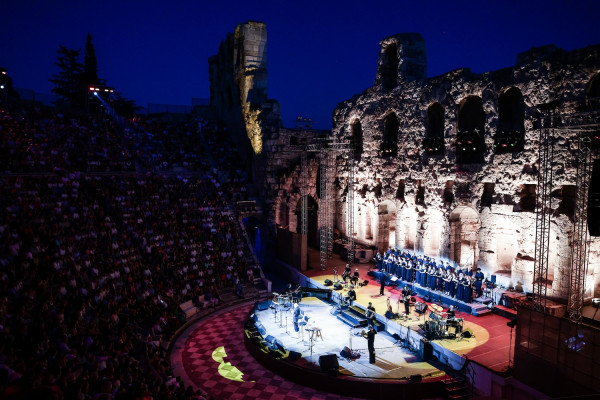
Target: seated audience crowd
pixel 93 266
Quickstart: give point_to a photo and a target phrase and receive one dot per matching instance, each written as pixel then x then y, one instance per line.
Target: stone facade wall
pixel 497 231
pixel 238 88
pixel 416 188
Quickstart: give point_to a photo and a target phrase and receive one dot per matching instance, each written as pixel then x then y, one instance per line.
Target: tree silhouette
pixel 90 63
pixel 67 82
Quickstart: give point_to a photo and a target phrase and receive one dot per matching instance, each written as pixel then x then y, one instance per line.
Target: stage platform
pixel 491 341
pixel 394 360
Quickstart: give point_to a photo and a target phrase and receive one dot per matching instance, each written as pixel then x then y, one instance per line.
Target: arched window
pixel 510 136
pixel 389 67
pixel 470 144
pixel 356 138
pixel 433 144
pixel 593 99
pixel 593 93
pixel 389 145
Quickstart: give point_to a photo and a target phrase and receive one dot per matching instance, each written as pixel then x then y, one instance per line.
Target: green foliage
pixel 68 86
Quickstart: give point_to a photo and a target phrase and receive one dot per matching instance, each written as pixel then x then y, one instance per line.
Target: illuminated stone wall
pixel 463 186
pixel 238 87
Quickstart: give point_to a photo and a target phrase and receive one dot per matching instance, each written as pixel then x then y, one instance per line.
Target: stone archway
pixel 464 232
pixel 386 232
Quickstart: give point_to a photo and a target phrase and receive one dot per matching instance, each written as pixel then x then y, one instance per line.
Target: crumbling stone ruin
pixel 449 165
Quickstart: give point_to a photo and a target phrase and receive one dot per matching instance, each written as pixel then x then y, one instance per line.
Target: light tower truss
pixel 583 126
pixel 543 214
pixel 328 154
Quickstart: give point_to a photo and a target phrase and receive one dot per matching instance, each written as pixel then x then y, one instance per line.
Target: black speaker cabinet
pixel 425 350
pixel 415 378
pixel 294 355
pixel 329 362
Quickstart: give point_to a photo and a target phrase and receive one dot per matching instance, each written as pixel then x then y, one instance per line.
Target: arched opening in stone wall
pixel 487 198
pixel 368 217
pixel 432 228
pixel 318 181
pixel 356 138
pixel 527 198
pixel 433 144
pixel 470 143
pixel 400 191
pixel 420 196
pixel 386 233
pixel 389 144
pixel 510 136
pixel 593 93
pixel 593 101
pixel 283 215
pixel 448 194
pixel 407 227
pixel 312 221
pixel 567 195
pixel 506 247
pixel 389 66
pixel 464 232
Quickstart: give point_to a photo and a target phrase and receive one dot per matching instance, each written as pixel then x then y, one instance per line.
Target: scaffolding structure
pixel 303 193
pixel 543 214
pixel 350 209
pixel 583 126
pixel 584 161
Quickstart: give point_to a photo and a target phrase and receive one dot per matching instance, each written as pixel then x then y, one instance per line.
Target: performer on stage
pixel 298 314
pixel 355 277
pixel 371 344
pixel 479 282
pixel 379 261
pixel 346 273
pixel 451 312
pixel 370 314
pixel 382 280
pixel 406 299
pixel 351 296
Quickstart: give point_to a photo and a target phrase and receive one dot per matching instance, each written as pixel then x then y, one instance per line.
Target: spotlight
pixel 95 93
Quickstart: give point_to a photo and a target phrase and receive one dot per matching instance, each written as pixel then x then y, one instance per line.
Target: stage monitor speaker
pixel 328 282
pixel 346 352
pixel 263 305
pixel 425 350
pixel 270 340
pixel 416 378
pixel 261 328
pixel 294 355
pixel 329 362
pixel 338 286
pixel 467 334
pixel 593 214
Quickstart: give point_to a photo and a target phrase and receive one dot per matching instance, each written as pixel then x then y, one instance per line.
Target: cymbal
pixel 436 308
pixel 275 294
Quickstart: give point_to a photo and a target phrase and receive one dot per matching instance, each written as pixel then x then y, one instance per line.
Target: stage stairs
pixel 355 317
pixel 457 388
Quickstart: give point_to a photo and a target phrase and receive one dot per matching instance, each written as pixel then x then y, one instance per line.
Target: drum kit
pixel 440 326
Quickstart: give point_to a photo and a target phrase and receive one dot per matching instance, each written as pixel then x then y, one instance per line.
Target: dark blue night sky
pixel 319 52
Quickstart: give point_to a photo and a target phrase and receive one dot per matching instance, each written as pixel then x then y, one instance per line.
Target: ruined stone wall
pixel 441 203
pixel 238 88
